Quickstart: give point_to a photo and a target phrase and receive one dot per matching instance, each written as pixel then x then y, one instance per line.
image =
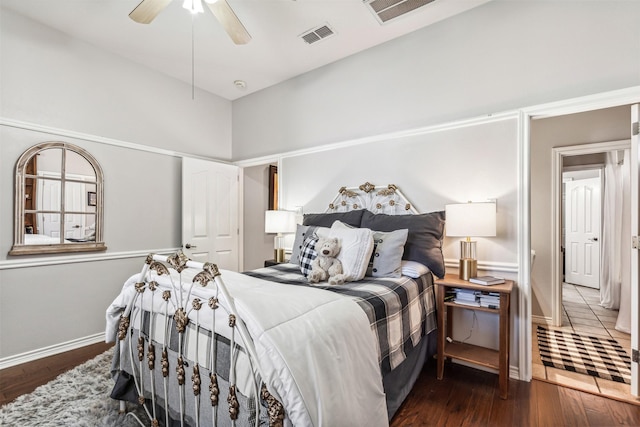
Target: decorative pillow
pixel 424 242
pixel 302 232
pixel 308 254
pixel 327 219
pixel 357 246
pixel 413 269
pixel 386 258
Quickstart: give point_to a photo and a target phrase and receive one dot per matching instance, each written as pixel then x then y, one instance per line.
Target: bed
pixel 42 239
pixel 275 349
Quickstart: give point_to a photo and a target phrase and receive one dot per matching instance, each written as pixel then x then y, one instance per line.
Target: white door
pixel 582 228
pixel 635 254
pixel 210 206
pixel 75 199
pixel 49 195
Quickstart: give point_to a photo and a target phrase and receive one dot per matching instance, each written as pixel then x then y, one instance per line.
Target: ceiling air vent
pixel 386 10
pixel 317 34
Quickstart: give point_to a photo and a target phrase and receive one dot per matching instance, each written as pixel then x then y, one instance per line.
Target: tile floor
pixel 582 313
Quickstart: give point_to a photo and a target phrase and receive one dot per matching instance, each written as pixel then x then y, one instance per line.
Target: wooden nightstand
pixel 271 262
pixel 472 353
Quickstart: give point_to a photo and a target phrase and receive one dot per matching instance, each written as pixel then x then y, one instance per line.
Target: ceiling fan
pixel 147 10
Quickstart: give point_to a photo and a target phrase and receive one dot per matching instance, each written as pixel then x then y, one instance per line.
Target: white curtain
pixel 615 271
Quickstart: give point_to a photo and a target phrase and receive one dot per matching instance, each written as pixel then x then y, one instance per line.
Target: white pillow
pixel 413 269
pixel 357 246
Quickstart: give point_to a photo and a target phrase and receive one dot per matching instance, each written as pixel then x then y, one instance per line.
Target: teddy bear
pixel 326 265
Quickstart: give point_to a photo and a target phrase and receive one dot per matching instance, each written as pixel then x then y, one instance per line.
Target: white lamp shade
pixel 471 219
pixel 279 222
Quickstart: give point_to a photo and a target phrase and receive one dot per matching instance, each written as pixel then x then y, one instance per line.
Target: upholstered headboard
pixel 377 199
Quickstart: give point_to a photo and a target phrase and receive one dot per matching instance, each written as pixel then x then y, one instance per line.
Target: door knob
pixel 188 246
pixel 593 239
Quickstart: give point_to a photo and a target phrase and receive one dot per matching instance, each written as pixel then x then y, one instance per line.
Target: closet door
pixel 210 210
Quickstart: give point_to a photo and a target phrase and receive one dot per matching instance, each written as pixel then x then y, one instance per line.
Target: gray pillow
pixel 351 218
pixel 386 259
pixel 424 242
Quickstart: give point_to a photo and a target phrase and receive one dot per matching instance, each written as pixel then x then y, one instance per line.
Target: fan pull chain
pixel 193 73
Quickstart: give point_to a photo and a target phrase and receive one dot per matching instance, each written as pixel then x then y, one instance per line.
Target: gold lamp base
pixel 468 268
pixel 278 255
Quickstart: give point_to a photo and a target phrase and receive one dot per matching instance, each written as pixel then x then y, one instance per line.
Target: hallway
pixel 582 315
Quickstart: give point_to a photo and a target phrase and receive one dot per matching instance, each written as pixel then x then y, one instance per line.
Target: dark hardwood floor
pixel 469 397
pixel 465 397
pixel 24 378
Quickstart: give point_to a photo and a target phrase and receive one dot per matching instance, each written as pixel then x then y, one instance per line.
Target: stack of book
pixel 486 280
pixel 467 297
pixel 490 299
pixel 449 294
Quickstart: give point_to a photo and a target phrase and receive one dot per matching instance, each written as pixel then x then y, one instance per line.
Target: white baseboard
pixel 30 356
pixel 541 320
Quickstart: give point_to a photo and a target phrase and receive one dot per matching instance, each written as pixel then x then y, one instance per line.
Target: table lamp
pixel 470 220
pixel 279 222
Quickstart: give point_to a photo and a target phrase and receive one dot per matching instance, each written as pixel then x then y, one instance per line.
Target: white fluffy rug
pixel 77 398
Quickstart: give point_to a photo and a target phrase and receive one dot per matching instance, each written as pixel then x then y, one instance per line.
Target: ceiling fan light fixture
pixel 193 6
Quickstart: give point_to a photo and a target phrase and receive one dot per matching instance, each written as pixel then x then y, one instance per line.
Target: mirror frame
pixel 19 247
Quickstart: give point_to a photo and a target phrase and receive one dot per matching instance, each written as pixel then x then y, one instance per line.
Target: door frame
pixel 559 153
pixel 598 101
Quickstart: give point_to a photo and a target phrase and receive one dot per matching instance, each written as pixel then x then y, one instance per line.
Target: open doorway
pixel 591 211
pixel 591 221
pixel 577 179
pixel 259 194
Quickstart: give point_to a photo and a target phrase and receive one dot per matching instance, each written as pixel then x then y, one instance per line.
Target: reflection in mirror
pixel 75 164
pixel 49 161
pixel 58 201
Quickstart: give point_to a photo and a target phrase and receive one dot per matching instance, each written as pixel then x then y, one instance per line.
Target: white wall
pixel 422 168
pixel 51 79
pixel 67 90
pixel 497 57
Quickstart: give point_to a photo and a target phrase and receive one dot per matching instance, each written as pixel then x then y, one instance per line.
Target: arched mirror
pixel 59 201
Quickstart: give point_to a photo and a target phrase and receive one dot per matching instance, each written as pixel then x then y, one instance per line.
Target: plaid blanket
pixel 400 310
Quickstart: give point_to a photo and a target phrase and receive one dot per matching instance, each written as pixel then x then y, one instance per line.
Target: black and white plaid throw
pixel 400 310
pixel 598 357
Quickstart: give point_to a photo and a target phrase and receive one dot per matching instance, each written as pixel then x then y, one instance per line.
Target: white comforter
pixel 316 350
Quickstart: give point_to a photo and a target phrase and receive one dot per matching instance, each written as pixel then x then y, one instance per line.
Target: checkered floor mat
pixel 598 357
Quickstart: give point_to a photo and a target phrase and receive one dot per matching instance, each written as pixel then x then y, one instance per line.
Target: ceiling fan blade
pixel 147 10
pixel 230 22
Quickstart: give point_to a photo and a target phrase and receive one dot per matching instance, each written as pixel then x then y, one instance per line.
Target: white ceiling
pixel 275 53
